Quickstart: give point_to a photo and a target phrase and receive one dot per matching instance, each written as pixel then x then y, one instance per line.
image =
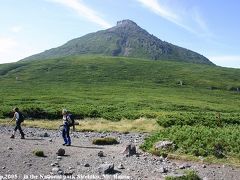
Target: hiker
pixel 18 120
pixel 68 121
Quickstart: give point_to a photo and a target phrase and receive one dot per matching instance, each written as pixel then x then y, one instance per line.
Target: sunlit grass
pixel 97 124
pixel 138 125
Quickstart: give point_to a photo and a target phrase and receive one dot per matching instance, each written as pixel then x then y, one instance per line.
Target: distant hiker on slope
pixel 68 121
pixel 18 117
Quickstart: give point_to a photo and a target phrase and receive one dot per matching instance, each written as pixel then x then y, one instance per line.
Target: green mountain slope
pixel 124 39
pixel 116 87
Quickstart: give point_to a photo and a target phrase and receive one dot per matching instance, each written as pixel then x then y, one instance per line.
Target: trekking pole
pixel 59 130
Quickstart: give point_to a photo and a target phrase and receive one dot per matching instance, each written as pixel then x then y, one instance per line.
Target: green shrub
pixel 193 118
pixel 199 140
pixel 189 175
pixel 94 113
pixel 38 153
pixel 105 141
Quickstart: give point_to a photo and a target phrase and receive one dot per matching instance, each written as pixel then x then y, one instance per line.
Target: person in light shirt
pixel 68 121
pixel 16 117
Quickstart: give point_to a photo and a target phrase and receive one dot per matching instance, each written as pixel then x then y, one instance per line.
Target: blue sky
pixel 209 27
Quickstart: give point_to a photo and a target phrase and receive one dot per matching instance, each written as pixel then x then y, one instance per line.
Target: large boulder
pixel 164 145
pixel 130 150
pixel 61 152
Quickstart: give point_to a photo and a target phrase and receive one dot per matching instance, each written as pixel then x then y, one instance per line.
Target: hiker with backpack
pixel 19 118
pixel 68 121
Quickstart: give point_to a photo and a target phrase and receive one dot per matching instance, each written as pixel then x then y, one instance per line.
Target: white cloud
pixel 201 24
pixel 12 50
pixel 226 61
pixel 159 9
pixel 6 44
pixel 189 19
pixel 84 11
pixel 16 29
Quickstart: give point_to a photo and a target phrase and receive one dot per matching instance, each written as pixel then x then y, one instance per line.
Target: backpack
pixel 70 120
pixel 21 117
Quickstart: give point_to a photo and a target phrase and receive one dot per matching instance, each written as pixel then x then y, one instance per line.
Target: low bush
pixel 105 141
pixel 189 175
pixel 38 153
pixel 199 140
pixel 193 118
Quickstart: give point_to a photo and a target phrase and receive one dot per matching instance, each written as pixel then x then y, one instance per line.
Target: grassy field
pixel 126 94
pixel 115 88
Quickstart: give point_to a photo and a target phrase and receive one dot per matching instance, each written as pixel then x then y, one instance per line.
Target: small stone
pixel 86 165
pixel 9 148
pixel 163 170
pixel 184 166
pixel 161 159
pixel 29 164
pixel 181 167
pixel 50 140
pixel 60 172
pixel 120 166
pixel 45 134
pixel 100 154
pixel 4 167
pixel 204 166
pixel 55 170
pixel 59 158
pixel 55 164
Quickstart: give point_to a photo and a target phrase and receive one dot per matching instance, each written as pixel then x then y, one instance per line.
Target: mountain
pixel 124 39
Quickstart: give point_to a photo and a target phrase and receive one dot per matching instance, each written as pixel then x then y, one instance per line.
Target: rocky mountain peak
pixel 124 39
pixel 127 28
pixel 126 22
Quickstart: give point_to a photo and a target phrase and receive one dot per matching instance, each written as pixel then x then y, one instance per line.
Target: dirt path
pixel 82 160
